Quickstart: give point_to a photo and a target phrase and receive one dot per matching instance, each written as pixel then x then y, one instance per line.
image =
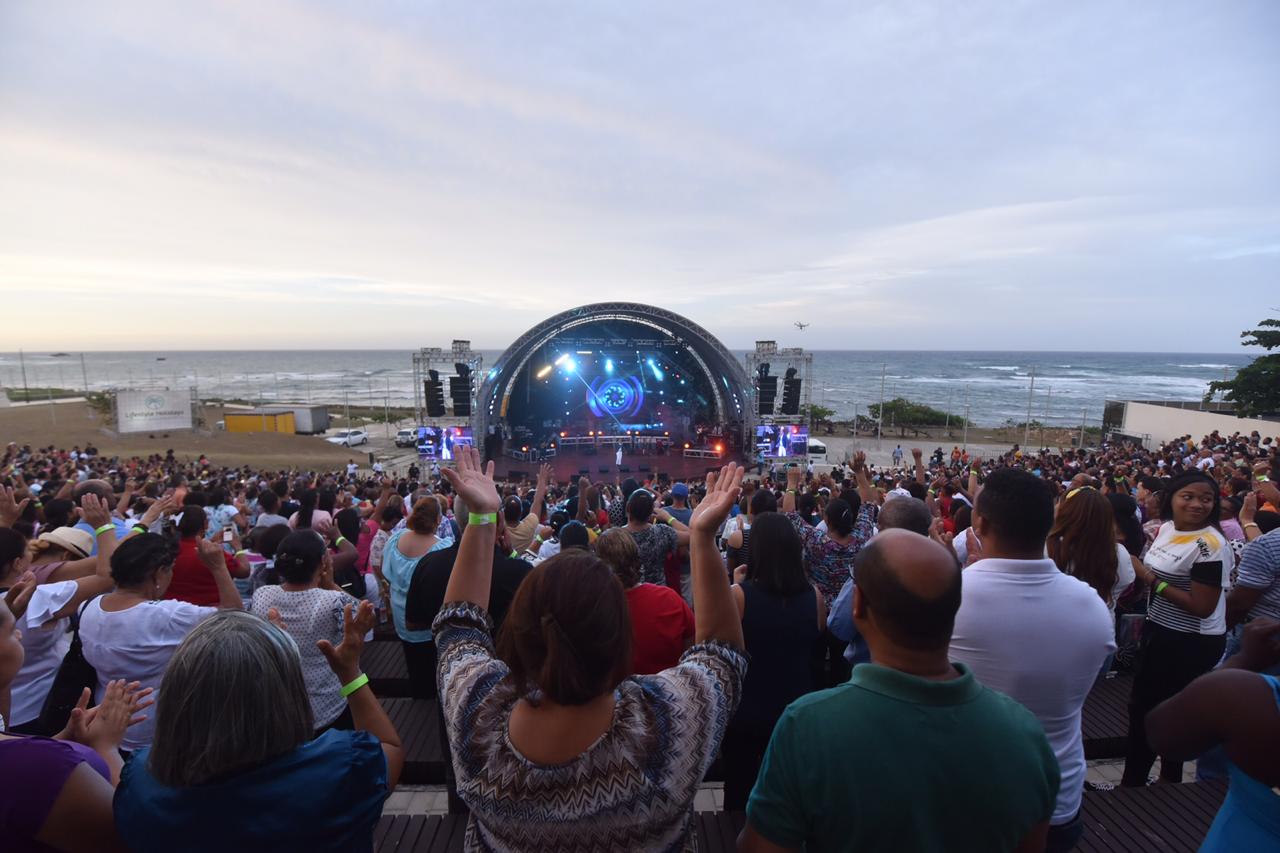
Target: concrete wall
pixel 1164 423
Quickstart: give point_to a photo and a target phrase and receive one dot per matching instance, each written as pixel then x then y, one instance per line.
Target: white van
pixel 817 452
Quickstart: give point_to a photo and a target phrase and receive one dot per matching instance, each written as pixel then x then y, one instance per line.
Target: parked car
pixel 349 437
pixel 407 438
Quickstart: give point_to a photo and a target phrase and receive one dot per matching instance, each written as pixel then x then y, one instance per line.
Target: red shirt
pixel 192 581
pixel 661 627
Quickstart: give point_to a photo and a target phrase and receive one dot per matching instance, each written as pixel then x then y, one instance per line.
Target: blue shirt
pixel 122 530
pixel 840 624
pixel 327 794
pixel 398 570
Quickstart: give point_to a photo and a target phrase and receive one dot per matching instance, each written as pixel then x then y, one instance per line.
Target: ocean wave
pixel 997 367
pixel 1207 366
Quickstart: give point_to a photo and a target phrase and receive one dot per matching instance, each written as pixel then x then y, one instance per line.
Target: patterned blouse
pixel 631 790
pixel 829 563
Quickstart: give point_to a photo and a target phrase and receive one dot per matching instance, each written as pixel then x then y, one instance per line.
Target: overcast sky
pixel 268 174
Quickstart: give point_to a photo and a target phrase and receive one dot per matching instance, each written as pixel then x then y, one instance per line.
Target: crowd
pixel 874 658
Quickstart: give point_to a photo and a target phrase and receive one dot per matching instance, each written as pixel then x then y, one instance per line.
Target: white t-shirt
pixel 45 643
pixel 310 615
pixel 1125 575
pixel 1178 556
pixel 136 644
pixel 1040 637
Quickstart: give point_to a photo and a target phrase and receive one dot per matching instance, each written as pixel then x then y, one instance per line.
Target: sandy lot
pixel 72 423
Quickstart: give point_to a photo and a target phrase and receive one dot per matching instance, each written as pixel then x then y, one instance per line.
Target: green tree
pixel 902 411
pixel 817 414
pixel 1255 390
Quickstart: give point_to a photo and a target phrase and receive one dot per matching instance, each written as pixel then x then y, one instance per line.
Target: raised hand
pixel 471 481
pixel 344 659
pixel 973 548
pixel 544 475
pixel 11 511
pixel 211 555
pixel 18 596
pixel 103 727
pixel 158 508
pixel 722 492
pixel 1249 508
pixel 94 511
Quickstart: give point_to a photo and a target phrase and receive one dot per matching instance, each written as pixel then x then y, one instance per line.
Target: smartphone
pixel 226 536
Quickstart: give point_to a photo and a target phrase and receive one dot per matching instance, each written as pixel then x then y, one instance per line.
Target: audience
pixel 1032 632
pixel 586 672
pixel 235 764
pixel 783 616
pixel 555 694
pixel 913 753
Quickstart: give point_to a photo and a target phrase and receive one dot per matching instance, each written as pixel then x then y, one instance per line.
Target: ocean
pixel 992 386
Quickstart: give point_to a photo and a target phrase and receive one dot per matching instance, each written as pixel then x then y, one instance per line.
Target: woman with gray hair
pixel 234 739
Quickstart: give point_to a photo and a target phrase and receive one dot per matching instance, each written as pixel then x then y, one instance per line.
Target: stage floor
pixel 600 468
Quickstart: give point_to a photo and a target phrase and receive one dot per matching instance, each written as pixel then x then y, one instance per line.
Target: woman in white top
pixel 63 584
pixel 309 604
pixel 1186 569
pixel 131 633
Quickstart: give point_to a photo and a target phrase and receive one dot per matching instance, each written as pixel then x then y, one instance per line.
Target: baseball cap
pixel 680 490
pixel 898 493
pixel 69 539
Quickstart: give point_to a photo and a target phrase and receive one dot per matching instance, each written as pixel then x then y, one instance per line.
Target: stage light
pixel 719 448
pixel 608 365
pixel 591 433
pixel 524 449
pixel 657 372
pixel 542 374
pixel 562 435
pixel 666 433
pixel 584 352
pixel 570 366
pixel 562 359
pixel 686 445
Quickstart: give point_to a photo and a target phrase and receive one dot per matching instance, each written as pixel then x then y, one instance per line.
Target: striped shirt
pixel 1180 557
pixel 1260 569
pixel 632 790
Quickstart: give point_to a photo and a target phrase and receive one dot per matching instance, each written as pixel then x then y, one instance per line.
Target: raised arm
pixel 215 560
pixel 540 491
pixel 472 573
pixel 366 714
pixel 714 612
pixel 918 455
pixel 793 485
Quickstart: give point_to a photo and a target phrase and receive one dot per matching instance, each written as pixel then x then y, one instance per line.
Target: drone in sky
pixel 802 326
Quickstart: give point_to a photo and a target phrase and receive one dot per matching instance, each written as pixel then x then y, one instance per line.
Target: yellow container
pixel 259 422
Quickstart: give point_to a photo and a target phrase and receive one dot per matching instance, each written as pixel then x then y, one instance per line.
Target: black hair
pixel 763 501
pixel 393 511
pixel 512 509
pixel 775 555
pixel 327 500
pixel 1179 483
pixel 12 546
pixel 268 502
pixel 348 524
pixel 629 485
pixel 906 618
pixel 193 521
pixel 1018 506
pixel 640 505
pixel 267 539
pixel 1125 509
pixel 840 517
pixel 574 535
pixel 915 489
pixel 57 513
pixel 558 520
pixel 139 557
pixel 307 503
pixel 218 496
pixel 298 557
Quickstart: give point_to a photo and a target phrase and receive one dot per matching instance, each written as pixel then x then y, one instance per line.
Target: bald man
pixel 103 491
pixel 912 753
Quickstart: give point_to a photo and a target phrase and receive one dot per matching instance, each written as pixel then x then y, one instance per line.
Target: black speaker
pixel 460 391
pixel 768 390
pixel 433 390
pixel 791 393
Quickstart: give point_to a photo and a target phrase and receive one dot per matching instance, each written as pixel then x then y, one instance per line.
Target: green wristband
pixel 482 518
pixel 106 528
pixel 1160 587
pixel 340 540
pixel 140 528
pixel 355 684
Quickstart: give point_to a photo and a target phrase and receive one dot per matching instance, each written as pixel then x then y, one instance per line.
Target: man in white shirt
pixel 1032 632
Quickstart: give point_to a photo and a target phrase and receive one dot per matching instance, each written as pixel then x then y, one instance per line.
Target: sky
pixel 309 174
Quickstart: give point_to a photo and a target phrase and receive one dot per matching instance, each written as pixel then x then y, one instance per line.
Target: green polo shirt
pixel 890 761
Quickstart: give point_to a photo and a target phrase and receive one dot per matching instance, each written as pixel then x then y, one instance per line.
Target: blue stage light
pixel 608 365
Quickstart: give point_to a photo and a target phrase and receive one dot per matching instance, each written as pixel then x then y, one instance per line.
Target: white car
pixel 349 437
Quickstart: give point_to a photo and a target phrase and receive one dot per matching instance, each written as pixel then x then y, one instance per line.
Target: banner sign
pixel 145 411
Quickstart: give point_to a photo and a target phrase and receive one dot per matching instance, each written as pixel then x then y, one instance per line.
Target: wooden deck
pixel 1155 819
pixel 1105 720
pixel 418 724
pixel 383 662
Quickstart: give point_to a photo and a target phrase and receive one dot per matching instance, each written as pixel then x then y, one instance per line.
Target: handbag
pixel 74 675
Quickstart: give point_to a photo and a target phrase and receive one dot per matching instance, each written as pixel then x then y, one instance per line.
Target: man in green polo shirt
pixel 912 753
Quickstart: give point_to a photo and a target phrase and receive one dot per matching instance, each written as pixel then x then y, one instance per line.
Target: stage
pixel 600 468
